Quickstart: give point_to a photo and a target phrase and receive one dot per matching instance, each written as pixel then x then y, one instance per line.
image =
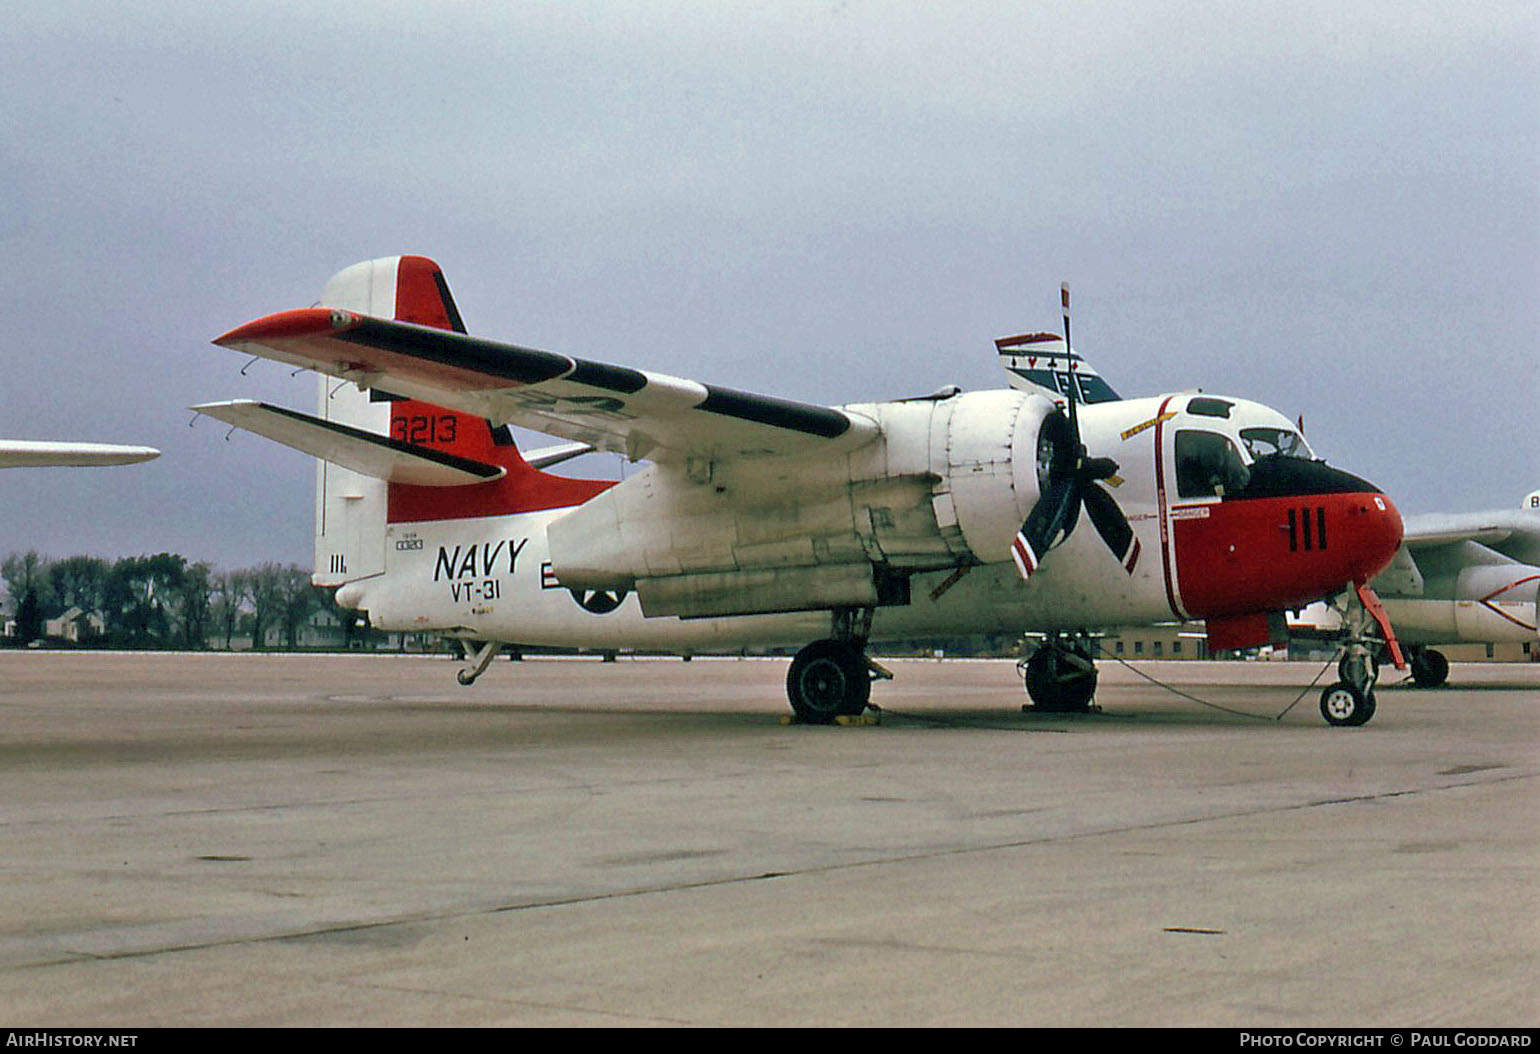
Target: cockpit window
pixel 1208 465
pixel 1263 442
pixel 1208 406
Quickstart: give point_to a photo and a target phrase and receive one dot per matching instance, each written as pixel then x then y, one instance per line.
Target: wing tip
pixel 306 322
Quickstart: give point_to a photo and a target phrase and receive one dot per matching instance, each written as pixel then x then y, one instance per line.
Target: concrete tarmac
pixel 287 840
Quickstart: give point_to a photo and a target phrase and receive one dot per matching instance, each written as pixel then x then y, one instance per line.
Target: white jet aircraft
pixel 762 521
pixel 28 453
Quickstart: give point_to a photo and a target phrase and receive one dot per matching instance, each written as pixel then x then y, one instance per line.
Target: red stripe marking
pixel 1160 503
pixel 1486 602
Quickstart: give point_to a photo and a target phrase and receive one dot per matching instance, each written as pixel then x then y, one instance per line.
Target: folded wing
pixel 635 413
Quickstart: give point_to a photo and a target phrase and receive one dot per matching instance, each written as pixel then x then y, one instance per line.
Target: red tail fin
pixel 423 298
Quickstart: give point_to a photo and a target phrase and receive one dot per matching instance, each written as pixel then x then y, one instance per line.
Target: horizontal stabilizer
pixel 363 452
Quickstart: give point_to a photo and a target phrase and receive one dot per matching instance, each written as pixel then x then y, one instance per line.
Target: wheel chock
pixel 843 720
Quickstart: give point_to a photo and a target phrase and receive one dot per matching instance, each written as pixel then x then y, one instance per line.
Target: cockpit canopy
pixel 1211 463
pixel 1282 442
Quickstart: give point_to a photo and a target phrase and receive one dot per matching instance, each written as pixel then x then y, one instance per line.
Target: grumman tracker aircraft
pixel 762 521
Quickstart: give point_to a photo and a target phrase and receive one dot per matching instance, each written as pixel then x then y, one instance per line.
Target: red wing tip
pixel 308 322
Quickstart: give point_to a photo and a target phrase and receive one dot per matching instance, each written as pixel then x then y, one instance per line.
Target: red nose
pixel 1376 530
pixel 1283 551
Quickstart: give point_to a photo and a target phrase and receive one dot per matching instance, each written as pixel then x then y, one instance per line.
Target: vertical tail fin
pixel 352 510
pixel 350 507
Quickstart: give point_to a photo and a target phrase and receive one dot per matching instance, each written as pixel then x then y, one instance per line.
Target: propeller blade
pixel 1071 484
pixel 1112 525
pixel 1071 396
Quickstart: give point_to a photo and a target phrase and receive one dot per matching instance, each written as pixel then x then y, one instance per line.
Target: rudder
pixel 351 508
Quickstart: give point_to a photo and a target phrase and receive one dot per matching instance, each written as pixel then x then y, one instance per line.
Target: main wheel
pixel 828 679
pixel 1345 706
pixel 1059 681
pixel 1429 668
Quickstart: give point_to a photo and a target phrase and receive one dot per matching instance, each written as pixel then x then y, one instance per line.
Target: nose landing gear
pixel 1350 702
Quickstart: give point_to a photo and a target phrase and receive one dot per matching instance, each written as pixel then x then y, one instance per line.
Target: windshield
pixel 1264 442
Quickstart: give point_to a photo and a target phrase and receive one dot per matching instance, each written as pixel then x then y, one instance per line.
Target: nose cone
pixel 1375 533
pixel 1299 531
pixel 1326 496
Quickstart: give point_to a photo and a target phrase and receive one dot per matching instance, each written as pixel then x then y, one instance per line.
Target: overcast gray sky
pixel 1331 207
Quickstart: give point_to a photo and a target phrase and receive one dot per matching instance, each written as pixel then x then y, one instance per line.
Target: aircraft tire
pixel 1429 668
pixel 1345 706
pixel 828 679
pixel 1058 685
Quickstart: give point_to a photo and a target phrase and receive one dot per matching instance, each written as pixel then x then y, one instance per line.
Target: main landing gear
pixel 1060 676
pixel 1429 667
pixel 832 678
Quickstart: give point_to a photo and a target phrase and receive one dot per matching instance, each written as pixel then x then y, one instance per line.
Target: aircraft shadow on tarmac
pixel 1009 716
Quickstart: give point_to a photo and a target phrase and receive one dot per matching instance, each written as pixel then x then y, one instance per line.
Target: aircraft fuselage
pixel 1231 517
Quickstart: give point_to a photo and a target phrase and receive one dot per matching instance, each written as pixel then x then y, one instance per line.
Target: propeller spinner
pixel 1068 480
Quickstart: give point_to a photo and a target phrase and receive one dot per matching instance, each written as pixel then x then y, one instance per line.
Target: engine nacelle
pixel 1497 602
pixel 1490 602
pixel 992 465
pixel 948 483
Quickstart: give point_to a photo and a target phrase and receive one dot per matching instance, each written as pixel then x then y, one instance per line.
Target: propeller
pixel 1069 480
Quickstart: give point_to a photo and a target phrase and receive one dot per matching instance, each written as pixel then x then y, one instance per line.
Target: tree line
pixel 161 601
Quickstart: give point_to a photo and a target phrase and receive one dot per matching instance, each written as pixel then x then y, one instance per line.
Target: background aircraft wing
pixel 1500 530
pixel 614 408
pixel 27 453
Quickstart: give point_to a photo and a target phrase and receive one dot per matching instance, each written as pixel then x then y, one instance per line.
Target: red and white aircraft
pixel 762 521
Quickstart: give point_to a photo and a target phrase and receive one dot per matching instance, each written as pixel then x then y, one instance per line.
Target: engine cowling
pixel 1497 602
pixel 993 466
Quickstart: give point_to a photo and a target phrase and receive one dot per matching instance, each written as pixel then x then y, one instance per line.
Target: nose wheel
pixel 1346 706
pixel 1350 702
